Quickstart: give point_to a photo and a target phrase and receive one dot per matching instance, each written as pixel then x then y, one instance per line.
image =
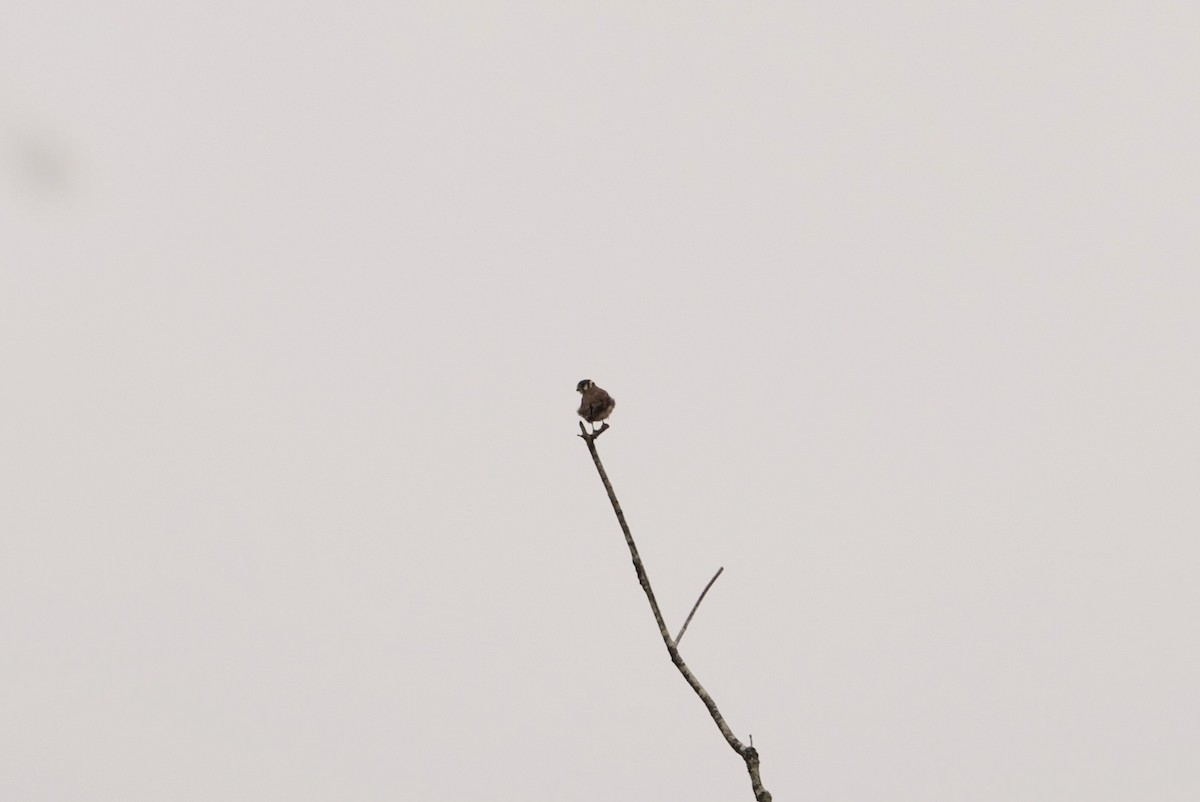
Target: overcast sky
pixel 898 303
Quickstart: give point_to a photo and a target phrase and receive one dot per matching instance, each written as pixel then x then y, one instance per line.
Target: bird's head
pixel 583 386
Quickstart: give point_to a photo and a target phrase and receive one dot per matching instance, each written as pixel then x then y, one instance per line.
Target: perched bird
pixel 596 404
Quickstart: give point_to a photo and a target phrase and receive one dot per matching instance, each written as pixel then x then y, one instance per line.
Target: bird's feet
pixel 586 435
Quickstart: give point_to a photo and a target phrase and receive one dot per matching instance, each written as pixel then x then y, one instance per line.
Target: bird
pixel 596 404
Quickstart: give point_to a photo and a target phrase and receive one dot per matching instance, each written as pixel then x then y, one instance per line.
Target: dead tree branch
pixel 696 606
pixel 748 753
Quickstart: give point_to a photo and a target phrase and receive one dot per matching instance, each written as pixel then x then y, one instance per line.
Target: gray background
pixel 899 304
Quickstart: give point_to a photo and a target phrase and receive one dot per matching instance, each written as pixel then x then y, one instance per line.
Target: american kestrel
pixel 596 404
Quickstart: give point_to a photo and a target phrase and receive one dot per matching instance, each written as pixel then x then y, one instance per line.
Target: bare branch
pixel 748 753
pixel 637 560
pixel 704 592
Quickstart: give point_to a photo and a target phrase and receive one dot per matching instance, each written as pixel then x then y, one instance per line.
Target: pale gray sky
pixel 899 304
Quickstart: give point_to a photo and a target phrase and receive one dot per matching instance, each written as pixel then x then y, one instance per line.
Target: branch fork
pixel 592 435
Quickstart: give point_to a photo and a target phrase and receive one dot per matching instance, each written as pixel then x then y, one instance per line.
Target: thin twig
pixel 748 753
pixel 683 628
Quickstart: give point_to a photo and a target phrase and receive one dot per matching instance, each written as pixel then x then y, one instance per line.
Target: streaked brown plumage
pixel 596 404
